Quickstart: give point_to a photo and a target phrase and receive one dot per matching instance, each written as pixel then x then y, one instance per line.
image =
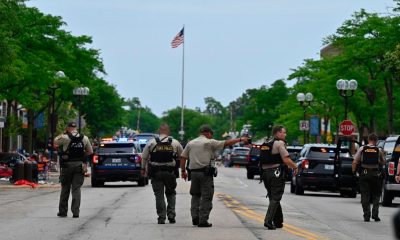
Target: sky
pixel 230 45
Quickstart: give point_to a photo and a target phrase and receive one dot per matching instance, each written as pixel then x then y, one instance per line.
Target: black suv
pixel 254 161
pixel 252 166
pixel 116 161
pixel 390 188
pixel 319 170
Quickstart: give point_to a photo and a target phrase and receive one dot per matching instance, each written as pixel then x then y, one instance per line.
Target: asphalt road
pixel 126 211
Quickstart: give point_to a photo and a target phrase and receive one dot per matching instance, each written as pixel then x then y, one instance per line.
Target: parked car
pixel 390 188
pixel 324 167
pixel 117 161
pixel 253 165
pixel 294 153
pixel 239 156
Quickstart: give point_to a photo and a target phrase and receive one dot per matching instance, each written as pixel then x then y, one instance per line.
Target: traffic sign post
pixel 304 125
pixel 346 127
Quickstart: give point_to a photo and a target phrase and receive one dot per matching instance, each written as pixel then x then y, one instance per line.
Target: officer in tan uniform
pixel 159 159
pixel 200 151
pixel 371 159
pixel 273 155
pixel 74 148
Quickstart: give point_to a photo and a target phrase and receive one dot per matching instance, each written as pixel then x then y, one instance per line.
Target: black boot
pixel 269 225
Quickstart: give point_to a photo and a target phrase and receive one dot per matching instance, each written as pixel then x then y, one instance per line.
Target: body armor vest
pixel 163 152
pixel 370 155
pixel 75 150
pixel 266 156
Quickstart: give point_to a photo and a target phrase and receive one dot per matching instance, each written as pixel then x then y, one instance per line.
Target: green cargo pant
pixel 164 182
pixel 370 188
pixel 202 191
pixel 71 178
pixel 275 187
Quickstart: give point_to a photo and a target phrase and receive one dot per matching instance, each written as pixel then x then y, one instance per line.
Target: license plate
pixel 116 160
pixel 328 167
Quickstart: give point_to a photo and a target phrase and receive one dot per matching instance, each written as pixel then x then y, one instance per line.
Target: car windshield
pixel 389 146
pixel 325 152
pixel 255 151
pixel 117 148
pixel 241 151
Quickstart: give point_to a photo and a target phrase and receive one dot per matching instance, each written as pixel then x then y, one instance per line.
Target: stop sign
pixel 346 127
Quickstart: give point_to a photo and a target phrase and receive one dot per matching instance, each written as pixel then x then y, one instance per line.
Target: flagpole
pixel 182 132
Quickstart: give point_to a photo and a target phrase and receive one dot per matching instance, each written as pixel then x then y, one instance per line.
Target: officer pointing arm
pixel 209 134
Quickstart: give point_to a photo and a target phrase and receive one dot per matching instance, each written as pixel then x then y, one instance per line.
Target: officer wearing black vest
pixel 273 155
pixel 159 159
pixel 73 148
pixel 371 159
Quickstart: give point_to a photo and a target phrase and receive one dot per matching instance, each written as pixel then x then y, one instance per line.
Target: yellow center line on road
pixel 239 208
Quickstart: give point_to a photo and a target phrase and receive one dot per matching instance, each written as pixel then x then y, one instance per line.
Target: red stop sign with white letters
pixel 346 127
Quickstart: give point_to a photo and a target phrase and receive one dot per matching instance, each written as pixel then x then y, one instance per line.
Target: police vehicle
pixel 253 165
pixel 142 138
pixel 324 167
pixel 117 160
pixel 390 188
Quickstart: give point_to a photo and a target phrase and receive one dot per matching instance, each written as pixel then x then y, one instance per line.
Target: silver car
pixel 239 156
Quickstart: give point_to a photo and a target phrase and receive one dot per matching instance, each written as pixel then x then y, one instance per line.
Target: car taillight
pixel 95 159
pixel 391 168
pixel 305 164
pixel 138 159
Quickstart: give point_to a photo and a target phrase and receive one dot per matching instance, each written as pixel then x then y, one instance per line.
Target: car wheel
pixel 352 194
pixel 386 197
pixel 96 183
pixel 299 190
pixel 142 182
pixel 250 175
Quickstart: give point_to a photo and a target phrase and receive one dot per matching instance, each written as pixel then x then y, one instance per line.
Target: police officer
pixel 273 155
pixel 200 151
pixel 371 159
pixel 73 147
pixel 159 158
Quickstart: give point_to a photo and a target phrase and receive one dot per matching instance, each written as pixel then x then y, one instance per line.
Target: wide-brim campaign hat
pixel 72 124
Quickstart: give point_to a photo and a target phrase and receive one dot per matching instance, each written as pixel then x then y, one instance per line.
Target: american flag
pixel 178 39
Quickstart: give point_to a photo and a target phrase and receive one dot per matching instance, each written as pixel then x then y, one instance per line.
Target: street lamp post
pixel 53 88
pixel 305 101
pixel 346 89
pixel 80 92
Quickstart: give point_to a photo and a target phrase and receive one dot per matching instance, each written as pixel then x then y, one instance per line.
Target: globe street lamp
pixel 305 101
pixel 53 88
pixel 80 92
pixel 346 89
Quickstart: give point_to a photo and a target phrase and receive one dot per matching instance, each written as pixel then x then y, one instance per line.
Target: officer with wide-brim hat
pixel 201 151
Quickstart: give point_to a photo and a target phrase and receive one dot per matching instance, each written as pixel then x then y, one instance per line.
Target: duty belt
pixel 198 170
pixel 163 168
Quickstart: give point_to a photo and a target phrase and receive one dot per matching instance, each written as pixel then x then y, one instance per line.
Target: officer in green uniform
pixel 74 147
pixel 273 155
pixel 201 151
pixel 371 159
pixel 159 159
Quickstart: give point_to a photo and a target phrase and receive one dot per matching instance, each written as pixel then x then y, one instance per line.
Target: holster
pixel 210 171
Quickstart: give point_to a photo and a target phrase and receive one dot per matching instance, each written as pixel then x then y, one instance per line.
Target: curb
pixel 11 186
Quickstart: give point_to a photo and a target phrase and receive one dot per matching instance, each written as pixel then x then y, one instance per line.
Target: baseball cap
pixel 72 124
pixel 206 128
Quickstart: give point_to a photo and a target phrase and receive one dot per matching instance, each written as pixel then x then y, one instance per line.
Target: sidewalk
pixel 53 182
